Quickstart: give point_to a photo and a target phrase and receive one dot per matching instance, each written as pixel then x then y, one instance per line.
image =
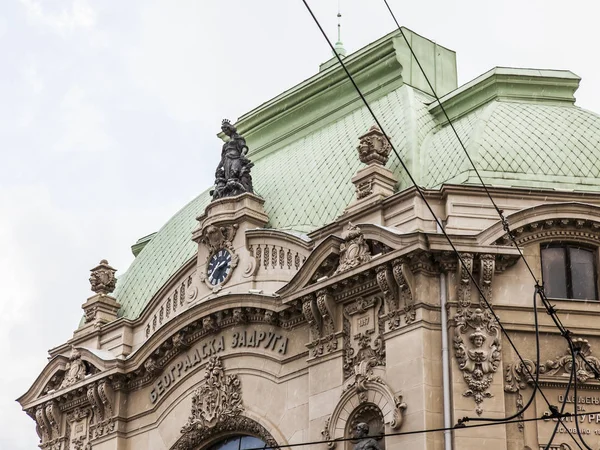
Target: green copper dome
pixel 520 127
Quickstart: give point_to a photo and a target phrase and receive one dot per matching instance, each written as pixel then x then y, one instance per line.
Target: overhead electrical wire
pixel 574 352
pixel 423 197
pixel 544 417
pixel 562 410
pixel 549 308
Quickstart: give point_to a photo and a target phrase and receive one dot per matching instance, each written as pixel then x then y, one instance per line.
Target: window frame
pixel 566 246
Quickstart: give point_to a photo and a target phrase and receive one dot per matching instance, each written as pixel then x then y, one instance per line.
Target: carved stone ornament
pixel 78 421
pixel 363 334
pixel 103 278
pixel 75 370
pixel 373 147
pixel 479 355
pixel 354 251
pixel 232 176
pixel 366 389
pixel 48 420
pixel 517 377
pixel 219 399
pixel 216 238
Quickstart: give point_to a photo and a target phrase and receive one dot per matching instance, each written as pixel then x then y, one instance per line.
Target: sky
pixel 109 111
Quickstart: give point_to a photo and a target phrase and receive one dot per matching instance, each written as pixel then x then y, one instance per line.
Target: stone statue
pixel 75 370
pixel 364 441
pixel 232 176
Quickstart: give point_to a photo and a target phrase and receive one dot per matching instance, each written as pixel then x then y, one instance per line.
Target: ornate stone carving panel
pixel 217 407
pixel 354 251
pixel 363 329
pixel 478 355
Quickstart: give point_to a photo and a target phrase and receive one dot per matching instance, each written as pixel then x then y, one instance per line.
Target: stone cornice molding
pixel 55 366
pixel 329 246
pixel 419 256
pixel 169 340
pixel 571 211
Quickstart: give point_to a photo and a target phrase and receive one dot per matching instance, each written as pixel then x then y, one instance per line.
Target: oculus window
pixel 569 271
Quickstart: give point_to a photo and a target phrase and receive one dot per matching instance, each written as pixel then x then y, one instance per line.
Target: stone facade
pixel 307 336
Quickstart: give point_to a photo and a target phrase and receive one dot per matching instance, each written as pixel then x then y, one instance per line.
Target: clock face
pixel 219 267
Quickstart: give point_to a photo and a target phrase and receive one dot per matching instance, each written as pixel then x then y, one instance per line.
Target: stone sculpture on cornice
pixel 75 370
pixel 232 176
pixel 354 251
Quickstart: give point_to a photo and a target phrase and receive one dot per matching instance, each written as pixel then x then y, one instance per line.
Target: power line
pixel 422 195
pixel 505 225
pixel 551 310
pixel 436 430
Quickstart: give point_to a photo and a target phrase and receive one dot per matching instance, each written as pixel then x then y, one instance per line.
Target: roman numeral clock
pixel 219 267
pixel 221 258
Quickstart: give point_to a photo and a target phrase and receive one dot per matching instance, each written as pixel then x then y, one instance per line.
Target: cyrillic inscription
pixel 266 340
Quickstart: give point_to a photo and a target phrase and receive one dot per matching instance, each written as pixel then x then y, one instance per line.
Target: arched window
pixel 370 414
pixel 569 271
pixel 239 443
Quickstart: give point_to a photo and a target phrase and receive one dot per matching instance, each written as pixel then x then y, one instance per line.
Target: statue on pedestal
pixel 232 176
pixel 364 441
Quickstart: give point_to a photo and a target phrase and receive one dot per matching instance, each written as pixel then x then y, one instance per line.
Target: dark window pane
pixel 239 442
pixel 251 442
pixel 583 280
pixel 553 272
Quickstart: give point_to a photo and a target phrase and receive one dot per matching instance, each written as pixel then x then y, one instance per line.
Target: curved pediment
pixel 325 261
pixel 580 221
pixel 321 259
pixel 62 372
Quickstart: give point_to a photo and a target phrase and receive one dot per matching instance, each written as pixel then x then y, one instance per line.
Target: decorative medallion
pixel 354 251
pixel 75 370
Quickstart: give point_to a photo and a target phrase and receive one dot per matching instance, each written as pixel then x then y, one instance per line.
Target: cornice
pixel 530 85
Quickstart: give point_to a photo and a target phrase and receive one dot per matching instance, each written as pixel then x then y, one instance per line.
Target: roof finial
pixel 339 46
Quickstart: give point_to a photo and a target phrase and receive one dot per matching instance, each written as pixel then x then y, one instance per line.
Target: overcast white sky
pixel 109 110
